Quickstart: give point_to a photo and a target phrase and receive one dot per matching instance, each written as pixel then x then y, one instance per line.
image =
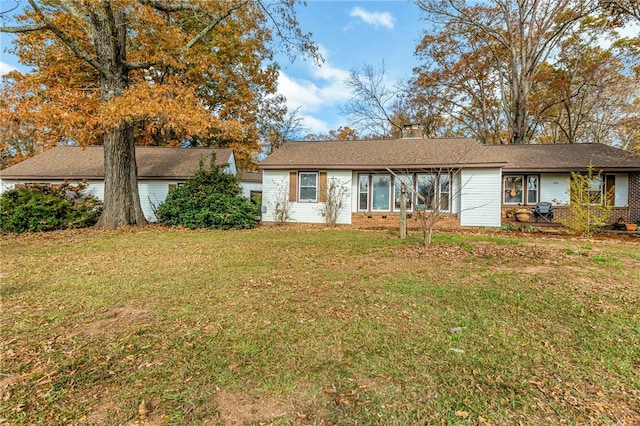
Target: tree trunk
pixel 121 198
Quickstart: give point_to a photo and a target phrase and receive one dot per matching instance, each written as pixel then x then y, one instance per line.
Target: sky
pixel 350 34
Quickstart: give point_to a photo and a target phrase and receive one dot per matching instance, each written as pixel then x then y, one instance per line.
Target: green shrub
pixel 35 208
pixel 210 199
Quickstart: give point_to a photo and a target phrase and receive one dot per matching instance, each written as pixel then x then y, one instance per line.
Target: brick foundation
pixel 563 212
pixel 380 220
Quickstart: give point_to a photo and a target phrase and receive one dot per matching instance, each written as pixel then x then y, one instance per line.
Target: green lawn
pixel 313 326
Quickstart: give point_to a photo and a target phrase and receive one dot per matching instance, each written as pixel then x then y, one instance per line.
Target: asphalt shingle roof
pixel 564 157
pixel 73 163
pixel 376 154
pixel 434 153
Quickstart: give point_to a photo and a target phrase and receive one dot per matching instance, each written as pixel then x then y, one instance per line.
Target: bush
pixel 210 199
pixel 37 208
pixel 590 209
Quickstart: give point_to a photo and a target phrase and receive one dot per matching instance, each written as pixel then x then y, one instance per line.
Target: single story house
pixel 159 169
pixel 474 183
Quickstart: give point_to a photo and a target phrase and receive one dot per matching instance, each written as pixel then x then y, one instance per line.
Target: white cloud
pixel 377 19
pixel 5 68
pixel 318 94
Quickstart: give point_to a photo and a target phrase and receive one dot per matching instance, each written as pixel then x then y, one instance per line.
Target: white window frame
pixel 506 190
pixel 537 190
pixel 389 194
pixel 437 180
pixel 441 192
pixel 366 192
pixel 403 178
pixel 300 187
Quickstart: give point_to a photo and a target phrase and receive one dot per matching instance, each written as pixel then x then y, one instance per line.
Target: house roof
pixel 563 157
pixel 415 153
pixel 250 176
pixel 376 154
pixel 73 163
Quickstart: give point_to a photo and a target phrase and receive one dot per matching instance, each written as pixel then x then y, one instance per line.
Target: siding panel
pixel 555 186
pixel 480 197
pixel 274 182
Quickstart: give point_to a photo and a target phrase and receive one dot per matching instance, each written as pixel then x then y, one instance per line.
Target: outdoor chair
pixel 543 210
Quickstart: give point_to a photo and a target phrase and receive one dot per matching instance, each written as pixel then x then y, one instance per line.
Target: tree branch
pixel 24 28
pixel 212 25
pixel 48 25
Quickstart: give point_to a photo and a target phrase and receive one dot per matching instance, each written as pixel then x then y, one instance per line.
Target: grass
pixel 309 326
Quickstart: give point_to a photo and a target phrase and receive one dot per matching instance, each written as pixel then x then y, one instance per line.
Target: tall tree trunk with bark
pixel 121 196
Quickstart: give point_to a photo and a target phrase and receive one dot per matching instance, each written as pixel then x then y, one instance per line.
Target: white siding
pixel 456 192
pixel 152 194
pixel 480 197
pixel 344 177
pixel 95 187
pixel 247 187
pixel 554 188
pixel 354 192
pixel 5 185
pixel 231 168
pixel 275 184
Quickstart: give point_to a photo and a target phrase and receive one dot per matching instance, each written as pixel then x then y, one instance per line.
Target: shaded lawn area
pixel 314 326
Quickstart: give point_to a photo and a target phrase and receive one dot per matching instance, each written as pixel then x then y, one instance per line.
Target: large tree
pixel 117 72
pixel 512 38
pixel 588 94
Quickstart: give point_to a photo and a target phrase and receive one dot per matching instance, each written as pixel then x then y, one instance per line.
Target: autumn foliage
pixel 127 72
pixel 214 92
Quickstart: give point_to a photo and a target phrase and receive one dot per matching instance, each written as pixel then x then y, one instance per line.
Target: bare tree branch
pixel 23 28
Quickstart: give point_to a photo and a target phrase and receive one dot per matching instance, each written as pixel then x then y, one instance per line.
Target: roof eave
pixel 378 166
pixel 568 169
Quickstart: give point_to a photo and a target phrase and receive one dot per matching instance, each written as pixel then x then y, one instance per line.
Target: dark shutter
pixel 322 195
pixel 293 186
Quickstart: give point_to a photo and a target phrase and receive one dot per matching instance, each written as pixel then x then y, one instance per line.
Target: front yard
pixel 314 326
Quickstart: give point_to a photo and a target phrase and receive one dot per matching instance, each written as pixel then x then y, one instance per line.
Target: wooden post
pixel 403 212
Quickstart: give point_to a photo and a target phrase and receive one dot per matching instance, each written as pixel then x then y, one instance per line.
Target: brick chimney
pixel 411 131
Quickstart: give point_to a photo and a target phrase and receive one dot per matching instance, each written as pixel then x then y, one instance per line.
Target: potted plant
pixel 523 215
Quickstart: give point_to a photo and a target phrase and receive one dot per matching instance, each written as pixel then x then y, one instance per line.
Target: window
pixel 512 188
pixel 610 189
pixel 521 189
pixel 256 197
pixel 434 191
pixel 532 189
pixel 595 191
pixel 426 188
pixel 398 181
pixel 380 192
pixel 308 187
pixel 602 188
pixel 363 192
pixel 445 192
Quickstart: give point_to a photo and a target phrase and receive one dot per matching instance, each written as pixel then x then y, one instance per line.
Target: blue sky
pixel 350 33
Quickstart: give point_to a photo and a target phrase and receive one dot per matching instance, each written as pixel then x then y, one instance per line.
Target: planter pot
pixel 523 217
pixel 631 226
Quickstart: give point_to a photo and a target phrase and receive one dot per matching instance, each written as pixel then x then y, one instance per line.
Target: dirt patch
pixel 238 409
pixel 120 318
pixel 481 249
pixel 101 414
